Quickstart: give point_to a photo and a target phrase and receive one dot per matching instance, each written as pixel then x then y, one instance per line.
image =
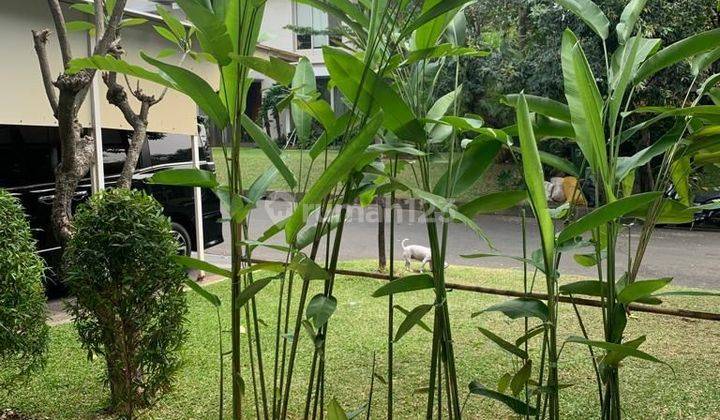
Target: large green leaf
pixel 335 411
pixel 269 148
pixel 678 52
pixel 413 318
pixel 606 213
pixel 110 63
pixel 420 323
pixel 309 233
pixel 641 289
pixel 441 107
pixel 559 163
pixel 303 85
pixel 670 212
pixel 251 290
pixel 469 167
pixel 586 105
pixel 534 179
pixel 505 345
pixel 336 171
pixel 623 349
pixel 195 87
pixel 370 92
pixel 329 136
pixel 211 31
pixel 516 405
pixel 492 202
pixel 172 22
pixel 308 269
pixel 275 68
pixel 584 287
pixel 185 178
pixel 406 284
pixel 626 164
pixel 319 109
pixel 626 67
pixel 210 297
pixel 590 13
pixel 521 377
pixel 544 106
pixel 680 170
pixel 320 309
pixel 629 17
pixel 520 308
pixel 701 62
pixel 336 9
pixel 435 16
pixel 196 264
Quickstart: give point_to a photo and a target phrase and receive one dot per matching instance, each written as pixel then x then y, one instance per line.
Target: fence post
pixel 197 193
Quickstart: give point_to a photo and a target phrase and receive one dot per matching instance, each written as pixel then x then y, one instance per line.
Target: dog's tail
pixel 403 242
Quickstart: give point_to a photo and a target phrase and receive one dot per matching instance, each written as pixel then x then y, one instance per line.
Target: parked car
pixel 708 218
pixel 29 155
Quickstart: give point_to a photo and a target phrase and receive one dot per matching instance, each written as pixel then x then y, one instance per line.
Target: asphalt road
pixel 692 258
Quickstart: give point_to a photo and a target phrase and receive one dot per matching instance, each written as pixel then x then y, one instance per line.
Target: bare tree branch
pixel 99 17
pixel 116 95
pixel 40 39
pixel 112 28
pixel 59 20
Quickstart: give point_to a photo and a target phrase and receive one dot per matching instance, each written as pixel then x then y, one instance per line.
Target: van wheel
pixel 183 239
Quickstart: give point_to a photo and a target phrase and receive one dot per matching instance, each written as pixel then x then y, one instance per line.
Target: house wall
pixel 278 15
pixel 24 101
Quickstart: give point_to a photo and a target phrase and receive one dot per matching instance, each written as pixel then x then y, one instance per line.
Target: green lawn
pixel 255 163
pixel 72 388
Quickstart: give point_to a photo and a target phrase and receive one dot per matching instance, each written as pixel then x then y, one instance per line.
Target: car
pixel 29 155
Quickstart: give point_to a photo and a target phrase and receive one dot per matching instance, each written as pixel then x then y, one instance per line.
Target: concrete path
pixel 692 258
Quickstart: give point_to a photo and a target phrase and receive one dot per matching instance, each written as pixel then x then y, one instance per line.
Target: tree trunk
pixel 76 150
pixel 117 96
pixel 382 260
pixel 133 154
pixel 523 23
pixel 266 123
pixel 276 115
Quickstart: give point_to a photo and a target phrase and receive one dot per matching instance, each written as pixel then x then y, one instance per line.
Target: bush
pixel 130 304
pixel 23 331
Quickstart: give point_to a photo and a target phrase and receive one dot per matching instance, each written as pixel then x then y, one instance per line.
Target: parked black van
pixel 29 155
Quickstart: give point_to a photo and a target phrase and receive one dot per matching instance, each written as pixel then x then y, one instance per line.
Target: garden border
pixel 683 313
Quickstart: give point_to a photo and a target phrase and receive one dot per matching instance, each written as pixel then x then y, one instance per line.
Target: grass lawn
pixel 255 163
pixel 71 387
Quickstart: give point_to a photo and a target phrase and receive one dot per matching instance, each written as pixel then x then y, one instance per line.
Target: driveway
pixel 690 257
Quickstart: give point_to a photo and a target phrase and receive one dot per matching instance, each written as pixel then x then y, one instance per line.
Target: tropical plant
pixel 129 304
pixel 68 92
pixel 597 123
pixel 23 331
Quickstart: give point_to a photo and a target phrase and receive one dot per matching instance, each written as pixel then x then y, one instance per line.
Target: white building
pixel 278 38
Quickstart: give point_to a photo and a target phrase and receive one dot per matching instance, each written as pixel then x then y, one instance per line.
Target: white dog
pixel 417 253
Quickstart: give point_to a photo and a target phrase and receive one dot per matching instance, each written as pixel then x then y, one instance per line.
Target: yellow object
pixel 572 191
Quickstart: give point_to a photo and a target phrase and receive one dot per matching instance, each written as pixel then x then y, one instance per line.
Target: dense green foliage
pixel 688 393
pixel 526 34
pixel 23 332
pixel 130 306
pixel 388 74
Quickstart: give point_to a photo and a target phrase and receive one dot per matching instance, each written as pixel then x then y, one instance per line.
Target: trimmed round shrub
pixel 23 331
pixel 130 305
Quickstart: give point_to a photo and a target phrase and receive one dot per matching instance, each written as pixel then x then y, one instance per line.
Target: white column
pixel 97 176
pixel 199 234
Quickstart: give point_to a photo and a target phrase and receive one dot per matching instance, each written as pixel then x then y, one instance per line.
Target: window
pixel 28 155
pixel 309 18
pixel 169 148
pixel 114 146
